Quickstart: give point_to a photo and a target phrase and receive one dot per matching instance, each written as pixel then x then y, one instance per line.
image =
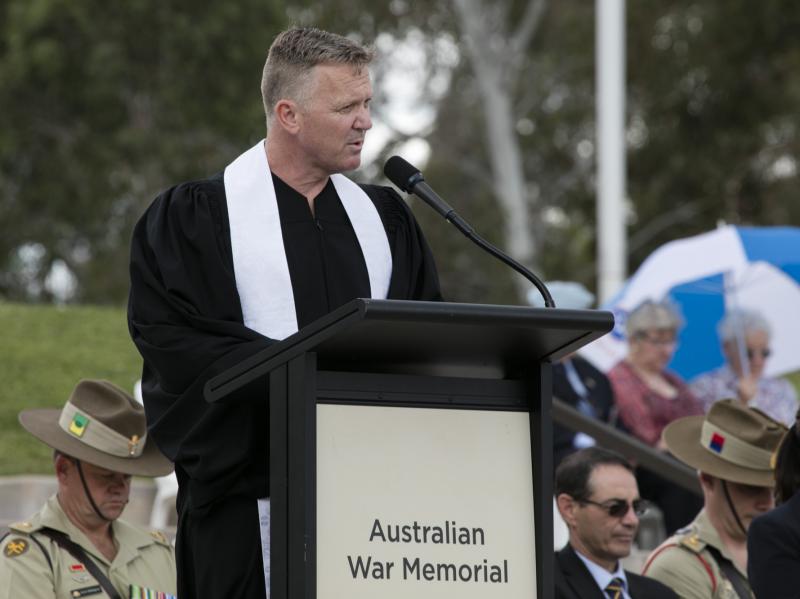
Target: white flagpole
pixel 610 90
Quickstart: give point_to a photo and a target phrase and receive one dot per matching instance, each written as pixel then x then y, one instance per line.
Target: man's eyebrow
pixel 351 102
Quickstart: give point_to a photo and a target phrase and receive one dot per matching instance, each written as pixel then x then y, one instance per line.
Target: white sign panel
pixel 424 503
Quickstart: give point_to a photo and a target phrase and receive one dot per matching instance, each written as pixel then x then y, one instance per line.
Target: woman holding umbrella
pixel 649 397
pixel 745 337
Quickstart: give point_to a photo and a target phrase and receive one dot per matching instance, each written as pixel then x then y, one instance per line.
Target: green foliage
pixel 46 351
pixel 794 378
pixel 714 90
pixel 555 112
pixel 105 103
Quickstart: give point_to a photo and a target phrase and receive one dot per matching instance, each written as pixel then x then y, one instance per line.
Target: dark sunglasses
pixel 618 508
pixel 764 353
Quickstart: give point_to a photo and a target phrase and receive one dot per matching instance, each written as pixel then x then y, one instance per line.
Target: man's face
pixel 335 117
pixel 757 351
pixel 110 490
pixel 599 536
pixel 748 500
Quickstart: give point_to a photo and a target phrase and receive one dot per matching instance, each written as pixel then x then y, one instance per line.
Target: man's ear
pixel 63 465
pixel 566 507
pixel 706 481
pixel 287 116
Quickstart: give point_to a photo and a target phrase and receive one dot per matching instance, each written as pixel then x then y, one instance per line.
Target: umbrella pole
pixel 741 345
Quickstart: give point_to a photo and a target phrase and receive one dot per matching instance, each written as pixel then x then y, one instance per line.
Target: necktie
pixel 614 589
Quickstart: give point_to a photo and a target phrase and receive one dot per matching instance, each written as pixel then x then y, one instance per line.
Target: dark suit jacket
pixel 601 398
pixel 773 552
pixel 574 581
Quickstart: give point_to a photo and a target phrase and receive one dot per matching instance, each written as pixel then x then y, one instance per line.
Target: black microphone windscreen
pixel 400 172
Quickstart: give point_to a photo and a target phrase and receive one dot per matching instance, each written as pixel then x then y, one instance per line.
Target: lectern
pixel 411 449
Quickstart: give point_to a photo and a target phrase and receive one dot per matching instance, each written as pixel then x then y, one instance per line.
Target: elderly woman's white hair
pixel 650 315
pixel 741 321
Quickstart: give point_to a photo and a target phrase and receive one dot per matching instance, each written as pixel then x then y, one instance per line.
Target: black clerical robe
pixel 185 318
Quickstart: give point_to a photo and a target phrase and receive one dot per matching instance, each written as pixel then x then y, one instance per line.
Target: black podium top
pixel 431 338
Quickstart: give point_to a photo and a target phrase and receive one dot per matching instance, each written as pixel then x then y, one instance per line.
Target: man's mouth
pixel 624 538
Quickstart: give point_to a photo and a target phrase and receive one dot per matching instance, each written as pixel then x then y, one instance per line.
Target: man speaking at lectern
pixel 223 267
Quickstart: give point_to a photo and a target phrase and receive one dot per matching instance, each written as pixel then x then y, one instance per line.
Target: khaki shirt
pixel 145 559
pixel 684 564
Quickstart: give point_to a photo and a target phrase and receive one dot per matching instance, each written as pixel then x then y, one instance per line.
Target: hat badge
pixel 133 444
pixel 78 425
pixel 717 442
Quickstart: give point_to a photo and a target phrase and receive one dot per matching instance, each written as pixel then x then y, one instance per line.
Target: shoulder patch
pixel 160 537
pixel 21 527
pixel 15 547
pixel 692 542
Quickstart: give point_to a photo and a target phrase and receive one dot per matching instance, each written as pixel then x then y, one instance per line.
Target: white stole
pixel 261 268
pixel 259 256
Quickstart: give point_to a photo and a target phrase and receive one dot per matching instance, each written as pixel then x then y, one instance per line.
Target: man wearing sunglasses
pixel 733 449
pixel 598 498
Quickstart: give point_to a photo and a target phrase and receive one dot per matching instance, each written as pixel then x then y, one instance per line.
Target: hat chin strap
pixel 88 493
pixel 732 508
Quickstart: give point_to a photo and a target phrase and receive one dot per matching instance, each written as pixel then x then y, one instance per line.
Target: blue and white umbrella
pixel 754 268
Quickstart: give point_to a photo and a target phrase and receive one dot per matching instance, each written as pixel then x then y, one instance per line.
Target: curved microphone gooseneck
pixel 410 179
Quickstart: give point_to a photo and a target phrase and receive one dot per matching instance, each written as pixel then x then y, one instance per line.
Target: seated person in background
pixel 745 337
pixel 576 382
pixel 732 448
pixel 649 397
pixel 773 540
pixel 598 498
pixel 76 545
pixel 581 386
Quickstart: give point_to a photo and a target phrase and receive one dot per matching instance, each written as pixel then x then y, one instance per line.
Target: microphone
pixel 408 178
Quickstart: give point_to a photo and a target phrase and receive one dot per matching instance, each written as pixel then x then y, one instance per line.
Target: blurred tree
pixel 712 133
pixel 714 90
pixel 551 113
pixel 101 105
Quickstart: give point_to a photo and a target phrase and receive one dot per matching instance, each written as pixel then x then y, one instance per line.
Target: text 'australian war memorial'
pixel 414 568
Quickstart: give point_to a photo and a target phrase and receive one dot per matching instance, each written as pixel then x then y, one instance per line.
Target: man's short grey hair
pixel 744 321
pixel 293 55
pixel 650 315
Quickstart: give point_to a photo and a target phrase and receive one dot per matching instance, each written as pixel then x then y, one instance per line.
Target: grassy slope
pixel 45 350
pixel 795 380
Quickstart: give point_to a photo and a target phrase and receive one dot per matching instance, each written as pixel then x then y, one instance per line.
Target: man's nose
pixel 766 500
pixel 363 120
pixel 630 518
pixel 119 481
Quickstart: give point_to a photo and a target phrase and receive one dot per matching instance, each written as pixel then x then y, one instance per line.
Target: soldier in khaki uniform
pixel 732 447
pixel 76 545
